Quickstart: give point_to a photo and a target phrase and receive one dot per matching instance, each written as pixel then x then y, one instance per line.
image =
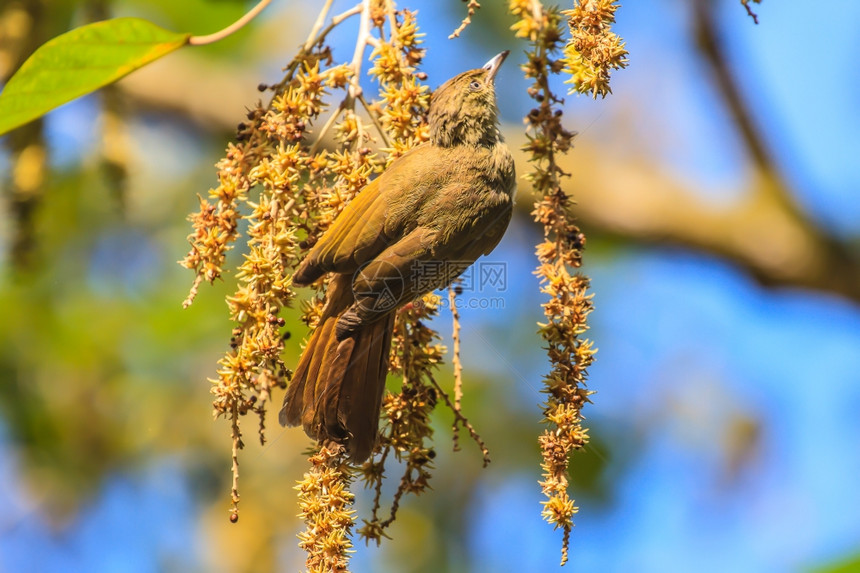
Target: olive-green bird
pixel 412 230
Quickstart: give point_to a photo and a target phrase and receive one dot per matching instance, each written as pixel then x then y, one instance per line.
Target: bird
pixel 413 229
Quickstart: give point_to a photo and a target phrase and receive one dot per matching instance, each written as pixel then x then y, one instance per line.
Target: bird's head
pixel 463 109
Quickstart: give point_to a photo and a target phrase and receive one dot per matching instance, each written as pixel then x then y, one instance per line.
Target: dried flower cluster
pixel 277 177
pixel 404 101
pixel 594 50
pixel 270 156
pixel 324 504
pixel 559 253
pixel 289 182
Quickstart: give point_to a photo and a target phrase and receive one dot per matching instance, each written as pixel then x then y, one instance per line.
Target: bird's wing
pixel 357 232
pixel 428 257
pixel 432 255
pixel 372 222
pixel 496 230
pixel 393 278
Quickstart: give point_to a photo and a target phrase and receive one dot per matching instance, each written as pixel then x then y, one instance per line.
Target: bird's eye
pixel 475 85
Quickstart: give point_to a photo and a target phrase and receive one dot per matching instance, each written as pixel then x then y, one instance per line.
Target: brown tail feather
pixel 336 390
pixel 366 386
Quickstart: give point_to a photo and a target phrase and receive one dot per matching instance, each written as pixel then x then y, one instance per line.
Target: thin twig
pixel 237 445
pixel 750 12
pixel 329 122
pixel 318 23
pixel 315 39
pixel 455 360
pixel 231 29
pixel 472 6
pixel 375 120
pixel 391 13
pixel 377 489
pixel 360 46
pixel 463 420
pixel 360 132
pixel 260 407
pixel 395 501
pixel 192 294
pixel 335 21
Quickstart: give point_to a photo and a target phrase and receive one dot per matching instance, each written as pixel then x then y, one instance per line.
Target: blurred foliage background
pixel 717 187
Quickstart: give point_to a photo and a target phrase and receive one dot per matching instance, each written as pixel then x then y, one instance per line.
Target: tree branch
pixel 716 60
pixel 637 202
pixel 231 29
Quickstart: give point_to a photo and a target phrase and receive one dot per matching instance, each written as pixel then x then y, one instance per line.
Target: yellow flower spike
pixel 593 51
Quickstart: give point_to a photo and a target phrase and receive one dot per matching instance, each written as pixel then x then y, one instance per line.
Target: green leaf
pixel 79 62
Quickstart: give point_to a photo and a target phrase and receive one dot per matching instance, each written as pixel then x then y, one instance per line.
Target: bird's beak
pixel 493 66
